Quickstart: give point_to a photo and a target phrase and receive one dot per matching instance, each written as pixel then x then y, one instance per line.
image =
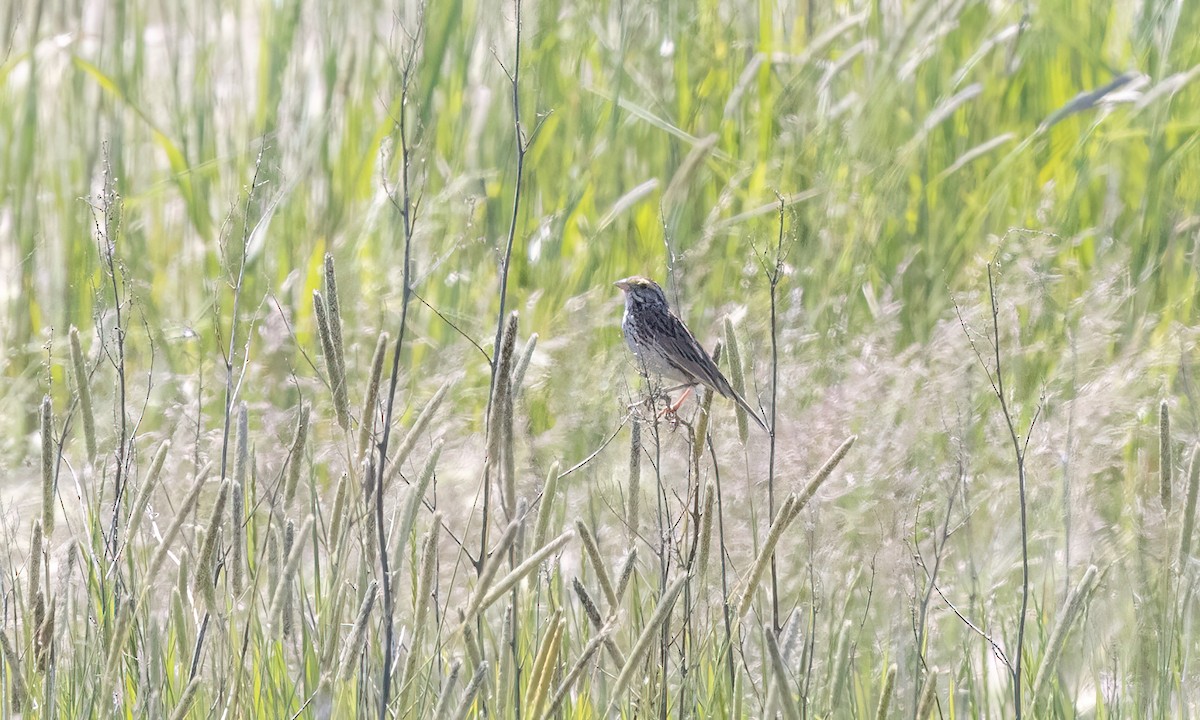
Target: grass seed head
pixel 296 455
pixel 48 457
pixel 1165 462
pixel 83 391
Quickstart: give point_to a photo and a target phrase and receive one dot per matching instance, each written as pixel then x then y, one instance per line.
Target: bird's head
pixel 640 290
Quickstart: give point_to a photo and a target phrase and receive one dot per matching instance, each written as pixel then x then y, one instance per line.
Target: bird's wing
pixel 683 353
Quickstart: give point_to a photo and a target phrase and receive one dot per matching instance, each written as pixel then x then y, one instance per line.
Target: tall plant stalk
pixel 404 206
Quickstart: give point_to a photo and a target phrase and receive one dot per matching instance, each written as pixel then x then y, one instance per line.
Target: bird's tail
pixel 741 401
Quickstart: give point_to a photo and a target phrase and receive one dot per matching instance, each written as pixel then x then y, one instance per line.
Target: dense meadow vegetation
pixel 314 401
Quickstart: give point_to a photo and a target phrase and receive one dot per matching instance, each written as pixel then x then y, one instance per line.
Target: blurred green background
pixel 905 137
pixel 910 142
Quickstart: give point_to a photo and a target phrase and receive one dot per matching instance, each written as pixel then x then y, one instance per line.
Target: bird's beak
pixel 623 284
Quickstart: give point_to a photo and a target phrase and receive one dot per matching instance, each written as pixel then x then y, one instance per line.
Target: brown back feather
pixel 686 356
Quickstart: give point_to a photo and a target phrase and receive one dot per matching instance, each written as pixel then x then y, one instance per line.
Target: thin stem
pixel 405 209
pixel 230 355
pixel 774 277
pixel 514 637
pixel 522 147
pixel 724 571
pixel 230 389
pixel 664 525
pixel 939 546
pixel 995 646
pixel 1066 471
pixel 110 205
pixel 1019 451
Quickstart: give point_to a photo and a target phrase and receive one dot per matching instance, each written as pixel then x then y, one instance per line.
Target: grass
pixel 917 227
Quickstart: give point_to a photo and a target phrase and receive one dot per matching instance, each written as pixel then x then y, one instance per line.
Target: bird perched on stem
pixel 664 345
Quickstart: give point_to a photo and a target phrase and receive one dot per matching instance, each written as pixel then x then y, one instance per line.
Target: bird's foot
pixel 671 411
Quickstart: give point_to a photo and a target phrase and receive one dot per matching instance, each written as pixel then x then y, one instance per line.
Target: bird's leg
pixel 673 408
pixel 670 410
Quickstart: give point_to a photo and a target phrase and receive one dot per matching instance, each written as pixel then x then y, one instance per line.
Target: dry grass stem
pixel 333 306
pixel 83 391
pixel 546 507
pixel 470 640
pixel 295 553
pixel 116 646
pixel 44 642
pixel 573 675
pixel 1189 509
pixel 417 430
pixel 1165 462
pixel 593 614
pixel 706 527
pixel 168 537
pixel 179 615
pixel 429 568
pixel 545 666
pixel 358 634
pixel 737 378
pixel 421 612
pixel 527 566
pixel 340 514
pixel 337 373
pixel 184 706
pixel 35 560
pixel 518 374
pixel 928 695
pixel 634 491
pixel 413 502
pixel 366 420
pixel 701 428
pixel 628 565
pixel 1054 645
pixel 237 538
pixel 783 682
pixel 824 472
pixel 598 566
pixel 296 455
pixel 20 690
pixel 495 559
pixel 661 613
pixel 468 699
pixel 500 393
pixel 785 516
pixel 202 583
pixel 441 711
pixel 885 696
pixel 138 509
pixel 48 457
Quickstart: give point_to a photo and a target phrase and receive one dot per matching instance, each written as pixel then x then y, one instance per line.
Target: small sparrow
pixel 664 345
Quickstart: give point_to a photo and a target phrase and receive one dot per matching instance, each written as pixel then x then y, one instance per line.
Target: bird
pixel 664 345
